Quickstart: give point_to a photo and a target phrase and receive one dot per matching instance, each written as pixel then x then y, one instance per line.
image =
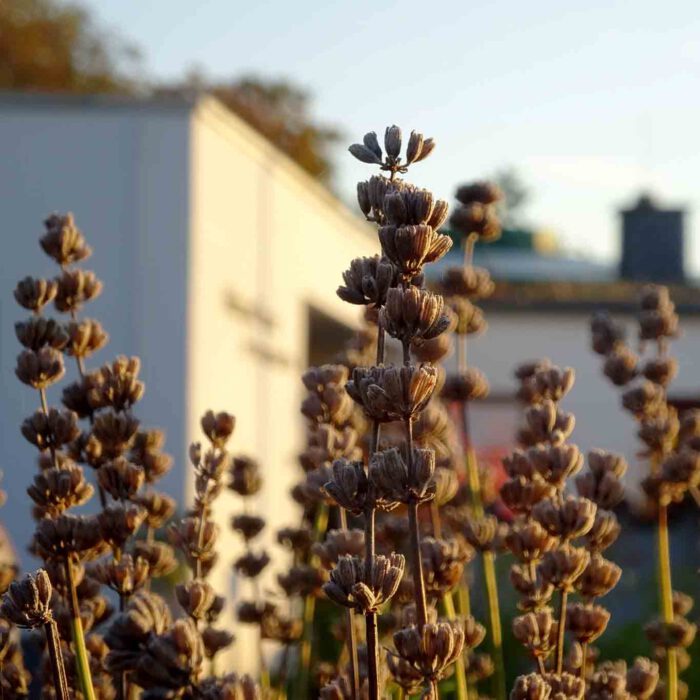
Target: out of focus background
pixel 202 149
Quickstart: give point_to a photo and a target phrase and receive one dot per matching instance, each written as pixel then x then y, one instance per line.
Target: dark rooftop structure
pixel 652 243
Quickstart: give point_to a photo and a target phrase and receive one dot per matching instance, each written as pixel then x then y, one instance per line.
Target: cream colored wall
pixel 271 238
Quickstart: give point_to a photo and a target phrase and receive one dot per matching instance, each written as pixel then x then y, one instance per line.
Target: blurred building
pixel 542 307
pixel 220 259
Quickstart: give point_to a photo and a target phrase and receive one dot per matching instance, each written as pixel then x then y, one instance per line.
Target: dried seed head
pixel 562 567
pixel 606 334
pixel 146 615
pixel 245 476
pixel 604 532
pixel 682 603
pixel 535 592
pixel 85 337
pixel 66 534
pixel 547 423
pixel 482 192
pixel 621 365
pixel 557 463
pixel 185 536
pixel 678 633
pixel 565 686
pixel 528 540
pixel 410 247
pixel 388 393
pixel 248 526
pixel 55 490
pixel 470 318
pixel 586 622
pixel 435 349
pixel 599 577
pixel 477 219
pixel 403 673
pixel 114 432
pixel 120 479
pixel 339 543
pixel 367 281
pixel 601 462
pixel 195 597
pixel 33 294
pixel 218 427
pixel 349 486
pixel 537 631
pixel 40 369
pixel 469 385
pixel 469 282
pixel 63 241
pixel 572 517
pixel 394 480
pixel 75 288
pixel 37 331
pixel 659 431
pixel 443 563
pixel 645 399
pixel 432 648
pixel 530 687
pixel 119 522
pixel 363 588
pixel 27 603
pixel 656 325
pixel 521 493
pixel 642 678
pixel 553 383
pixel 146 452
pixel 125 576
pixel 605 491
pixel 251 564
pixel 55 429
pixel 445 485
pixel 159 556
pixel 159 508
pixel 116 384
pixel 414 314
pixel 660 370
pixel 172 661
pixel 216 640
pixel 484 533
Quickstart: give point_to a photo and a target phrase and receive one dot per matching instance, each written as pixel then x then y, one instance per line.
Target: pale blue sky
pixel 589 100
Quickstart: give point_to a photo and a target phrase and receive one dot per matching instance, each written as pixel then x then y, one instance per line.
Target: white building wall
pixel 211 246
pixel 267 244
pixel 122 168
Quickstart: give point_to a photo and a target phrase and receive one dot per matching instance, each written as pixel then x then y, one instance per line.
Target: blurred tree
pixel 516 195
pixel 279 110
pixel 50 46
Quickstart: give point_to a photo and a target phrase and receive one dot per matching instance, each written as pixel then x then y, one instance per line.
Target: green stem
pixel 561 630
pixel 320 523
pixel 499 679
pixel 666 591
pixel 460 668
pixel 81 656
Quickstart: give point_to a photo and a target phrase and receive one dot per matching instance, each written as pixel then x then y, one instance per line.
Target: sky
pixel 589 101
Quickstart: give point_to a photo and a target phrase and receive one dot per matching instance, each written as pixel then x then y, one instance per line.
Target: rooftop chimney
pixel 652 243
